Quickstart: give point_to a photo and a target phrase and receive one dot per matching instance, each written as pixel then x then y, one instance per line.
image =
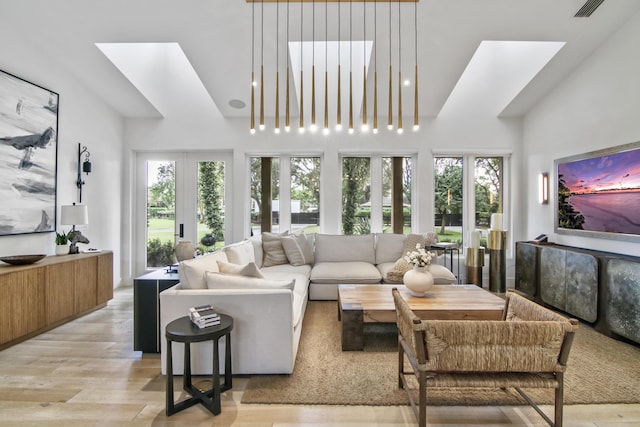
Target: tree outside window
pixel 448 200
pixel 356 192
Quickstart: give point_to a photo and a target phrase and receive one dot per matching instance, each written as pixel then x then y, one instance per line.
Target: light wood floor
pixel 86 373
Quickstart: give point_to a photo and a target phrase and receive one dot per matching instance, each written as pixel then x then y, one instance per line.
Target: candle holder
pixel 474 262
pixel 497 243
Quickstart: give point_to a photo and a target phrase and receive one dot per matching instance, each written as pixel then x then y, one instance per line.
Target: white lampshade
pixel 74 215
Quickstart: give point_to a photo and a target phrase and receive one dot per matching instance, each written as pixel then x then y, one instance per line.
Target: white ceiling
pixel 185 54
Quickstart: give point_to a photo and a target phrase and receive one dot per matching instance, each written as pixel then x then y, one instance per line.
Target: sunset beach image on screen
pixel 600 193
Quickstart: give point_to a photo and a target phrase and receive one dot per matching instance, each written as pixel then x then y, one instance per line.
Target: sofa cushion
pixel 339 248
pixel 389 247
pixel 240 253
pixel 384 269
pixel 287 272
pixel 217 280
pixel 273 251
pixel 345 272
pixel 191 271
pixel 298 249
pixel 249 270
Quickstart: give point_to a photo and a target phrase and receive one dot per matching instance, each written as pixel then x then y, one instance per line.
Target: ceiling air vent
pixel 588 8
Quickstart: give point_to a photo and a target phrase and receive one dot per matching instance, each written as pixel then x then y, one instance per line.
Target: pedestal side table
pixel 183 330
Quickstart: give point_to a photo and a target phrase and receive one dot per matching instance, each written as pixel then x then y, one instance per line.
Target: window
pixel 356 195
pixel 264 193
pixel 305 194
pixel 488 190
pixel 468 189
pixel 397 175
pixel 210 206
pixel 448 201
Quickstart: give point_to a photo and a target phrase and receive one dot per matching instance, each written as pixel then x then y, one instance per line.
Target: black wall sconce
pixel 82 167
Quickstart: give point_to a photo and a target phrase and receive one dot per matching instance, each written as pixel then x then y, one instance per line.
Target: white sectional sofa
pixel 268 312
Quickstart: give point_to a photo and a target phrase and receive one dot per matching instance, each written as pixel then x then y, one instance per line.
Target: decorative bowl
pixel 22 259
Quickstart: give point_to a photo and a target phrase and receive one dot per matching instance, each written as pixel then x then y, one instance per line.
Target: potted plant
pixel 62 243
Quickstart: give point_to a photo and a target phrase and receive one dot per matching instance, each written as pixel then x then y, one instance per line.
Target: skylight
pixel 497 73
pixel 162 73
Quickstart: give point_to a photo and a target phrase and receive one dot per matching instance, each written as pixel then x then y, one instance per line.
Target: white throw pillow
pixel 240 253
pixel 298 249
pixel 191 271
pixel 249 270
pixel 442 275
pixel 229 281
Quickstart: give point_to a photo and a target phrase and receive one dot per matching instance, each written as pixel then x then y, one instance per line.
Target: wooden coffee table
pixel 360 304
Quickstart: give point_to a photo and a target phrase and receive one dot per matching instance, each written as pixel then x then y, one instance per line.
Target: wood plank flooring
pixel 85 373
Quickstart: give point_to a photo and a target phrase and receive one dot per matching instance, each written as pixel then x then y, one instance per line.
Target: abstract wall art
pixel 28 156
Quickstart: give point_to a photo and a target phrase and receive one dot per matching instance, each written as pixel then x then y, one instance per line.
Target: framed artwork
pixel 598 193
pixel 28 156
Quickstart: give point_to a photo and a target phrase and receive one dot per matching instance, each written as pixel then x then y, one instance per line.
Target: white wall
pixel 594 108
pixel 82 118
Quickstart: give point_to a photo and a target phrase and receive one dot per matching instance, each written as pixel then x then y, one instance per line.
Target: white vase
pixel 62 249
pixel 185 250
pixel 418 280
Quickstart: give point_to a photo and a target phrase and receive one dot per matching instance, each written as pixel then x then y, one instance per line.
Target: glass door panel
pixel 160 213
pixel 210 206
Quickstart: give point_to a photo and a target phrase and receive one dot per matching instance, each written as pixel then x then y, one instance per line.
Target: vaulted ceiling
pixel 163 58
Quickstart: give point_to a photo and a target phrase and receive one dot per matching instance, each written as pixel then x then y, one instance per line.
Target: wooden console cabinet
pixel 601 288
pixel 37 297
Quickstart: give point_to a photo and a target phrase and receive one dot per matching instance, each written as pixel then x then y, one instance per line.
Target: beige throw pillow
pixel 249 270
pixel 298 249
pixel 273 251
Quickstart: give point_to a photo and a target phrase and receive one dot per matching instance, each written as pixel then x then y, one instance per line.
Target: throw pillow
pixel 240 253
pixel 412 240
pixel 441 274
pixel 229 281
pixel 396 273
pixel 273 251
pixel 248 270
pixel 191 271
pixel 298 249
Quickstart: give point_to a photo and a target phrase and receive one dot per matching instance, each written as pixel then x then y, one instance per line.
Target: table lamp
pixel 75 215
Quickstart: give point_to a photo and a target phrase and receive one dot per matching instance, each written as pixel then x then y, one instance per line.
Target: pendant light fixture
pixel 252 129
pixel 416 124
pixel 350 67
pixel 367 123
pixel 326 71
pixel 313 69
pixel 375 68
pixel 277 123
pixel 365 126
pixel 400 130
pixel 287 122
pixel 339 105
pixel 262 65
pixel 390 120
pixel 301 130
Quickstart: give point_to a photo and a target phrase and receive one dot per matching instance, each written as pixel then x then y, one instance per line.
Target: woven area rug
pixel 601 370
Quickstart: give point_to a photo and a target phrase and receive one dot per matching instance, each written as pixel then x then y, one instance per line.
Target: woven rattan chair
pixel 528 349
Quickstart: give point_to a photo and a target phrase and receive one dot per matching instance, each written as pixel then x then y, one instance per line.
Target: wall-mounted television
pixel 598 193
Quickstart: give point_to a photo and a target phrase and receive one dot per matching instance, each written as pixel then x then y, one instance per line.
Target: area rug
pixel 601 370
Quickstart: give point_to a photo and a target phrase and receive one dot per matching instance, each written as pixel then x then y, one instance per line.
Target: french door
pixel 179 196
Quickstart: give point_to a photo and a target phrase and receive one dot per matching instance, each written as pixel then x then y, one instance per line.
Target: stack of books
pixel 204 316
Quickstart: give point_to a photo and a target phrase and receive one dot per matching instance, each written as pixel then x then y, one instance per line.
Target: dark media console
pixel 601 288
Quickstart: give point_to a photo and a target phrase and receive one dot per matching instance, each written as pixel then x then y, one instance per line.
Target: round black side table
pixel 183 330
